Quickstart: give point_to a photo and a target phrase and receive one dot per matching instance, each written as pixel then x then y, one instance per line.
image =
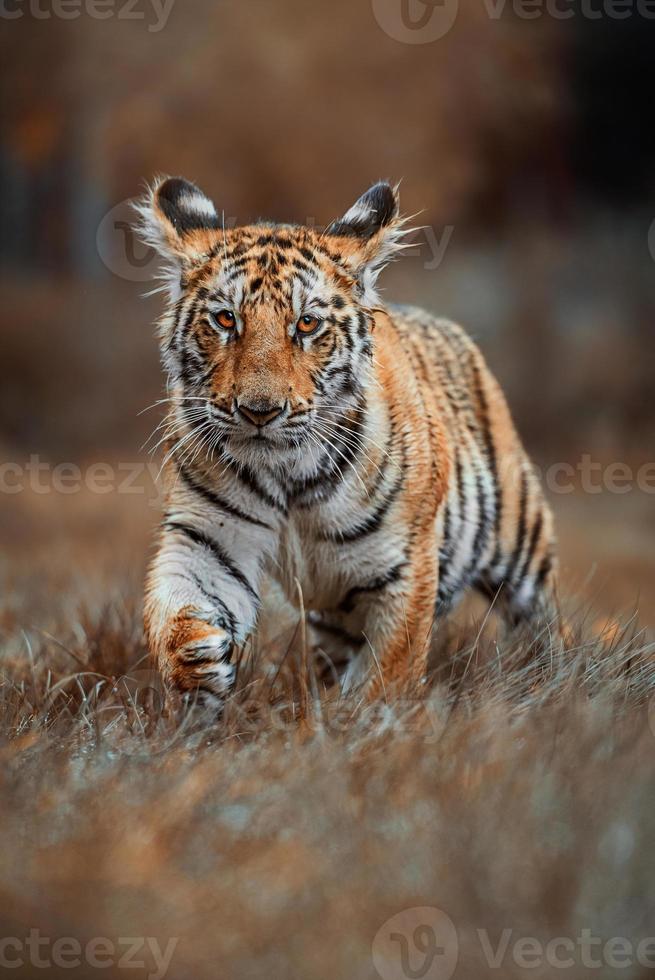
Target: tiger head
pixel 267 336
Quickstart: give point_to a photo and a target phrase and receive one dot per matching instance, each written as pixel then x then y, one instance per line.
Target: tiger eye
pixel 308 324
pixel 226 319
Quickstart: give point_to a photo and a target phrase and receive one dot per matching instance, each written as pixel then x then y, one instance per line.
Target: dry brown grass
pixel 517 793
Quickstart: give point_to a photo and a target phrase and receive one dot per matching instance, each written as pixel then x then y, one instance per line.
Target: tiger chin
pixel 360 450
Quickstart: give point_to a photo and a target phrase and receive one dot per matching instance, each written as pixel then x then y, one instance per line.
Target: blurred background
pixel 522 135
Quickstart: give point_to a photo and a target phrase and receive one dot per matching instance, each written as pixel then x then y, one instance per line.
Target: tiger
pixel 358 453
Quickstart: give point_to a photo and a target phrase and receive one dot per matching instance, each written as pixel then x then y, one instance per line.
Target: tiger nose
pixel 261 413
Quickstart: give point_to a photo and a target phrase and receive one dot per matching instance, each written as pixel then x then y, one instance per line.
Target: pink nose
pixel 260 414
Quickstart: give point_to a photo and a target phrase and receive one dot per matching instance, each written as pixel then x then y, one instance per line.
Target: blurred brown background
pixel 525 143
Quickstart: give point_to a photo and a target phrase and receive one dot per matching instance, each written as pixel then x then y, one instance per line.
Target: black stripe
pixel 308 254
pixel 347 604
pixel 447 546
pixel 520 530
pixel 481 530
pixel 373 522
pixel 448 589
pixel 204 540
pixel 227 620
pixel 490 449
pixel 544 569
pixel 247 477
pixel 445 541
pixel 534 540
pixel 302 267
pixel 236 269
pixel 459 472
pixel 331 372
pixel 188 320
pixel 190 362
pixel 195 658
pixel 362 324
pixel 300 488
pixel 345 323
pixel 485 523
pixel 217 501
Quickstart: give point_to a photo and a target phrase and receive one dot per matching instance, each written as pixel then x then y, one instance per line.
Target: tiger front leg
pixel 202 601
pixel 396 616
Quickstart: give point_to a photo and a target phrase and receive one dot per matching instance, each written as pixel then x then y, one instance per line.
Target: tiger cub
pixel 359 451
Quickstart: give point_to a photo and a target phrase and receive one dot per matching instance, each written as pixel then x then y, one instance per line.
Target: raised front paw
pixel 197 660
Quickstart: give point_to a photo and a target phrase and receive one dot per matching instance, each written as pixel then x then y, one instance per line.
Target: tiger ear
pixel 371 232
pixel 173 216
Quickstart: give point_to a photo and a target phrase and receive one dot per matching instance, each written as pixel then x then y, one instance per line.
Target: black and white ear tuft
pixel 372 234
pixel 374 210
pixel 170 215
pixel 184 206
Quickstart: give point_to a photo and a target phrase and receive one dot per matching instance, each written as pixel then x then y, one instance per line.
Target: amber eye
pixel 308 324
pixel 225 319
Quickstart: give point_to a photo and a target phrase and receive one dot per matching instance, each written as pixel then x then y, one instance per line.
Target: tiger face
pixel 268 335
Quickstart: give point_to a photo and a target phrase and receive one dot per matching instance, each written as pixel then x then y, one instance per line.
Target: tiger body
pixel 361 454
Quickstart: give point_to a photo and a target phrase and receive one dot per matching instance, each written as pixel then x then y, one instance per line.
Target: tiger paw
pixel 199 661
